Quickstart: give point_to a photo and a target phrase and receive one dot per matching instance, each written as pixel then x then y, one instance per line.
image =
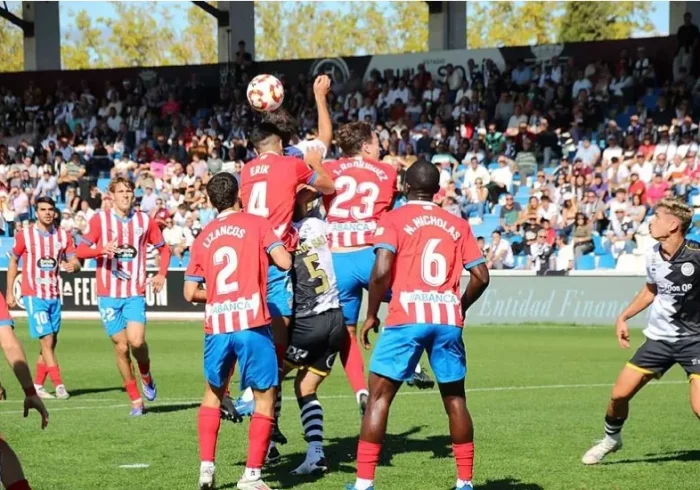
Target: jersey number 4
pixel 347 188
pixel 257 204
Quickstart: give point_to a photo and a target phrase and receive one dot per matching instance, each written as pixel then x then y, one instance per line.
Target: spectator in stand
pixel 657 189
pixel 565 255
pixel 174 237
pixel 475 200
pixel 582 236
pixel 501 179
pixel 540 253
pixel 587 152
pixel 619 236
pixel 500 253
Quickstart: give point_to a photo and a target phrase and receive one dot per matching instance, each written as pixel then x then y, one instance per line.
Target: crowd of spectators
pixel 549 161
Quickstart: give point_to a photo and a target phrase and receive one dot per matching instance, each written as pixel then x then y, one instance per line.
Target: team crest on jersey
pixel 687 269
pixel 125 253
pixel 46 263
pixel 138 231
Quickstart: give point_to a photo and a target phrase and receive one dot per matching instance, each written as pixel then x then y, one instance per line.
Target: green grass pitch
pixel 537 397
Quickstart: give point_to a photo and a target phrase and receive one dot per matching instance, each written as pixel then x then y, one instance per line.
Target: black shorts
pixel 658 356
pixel 314 341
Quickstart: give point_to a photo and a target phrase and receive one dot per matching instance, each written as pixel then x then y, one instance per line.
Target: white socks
pixel 252 474
pixel 362 484
pixel 462 484
pixel 359 394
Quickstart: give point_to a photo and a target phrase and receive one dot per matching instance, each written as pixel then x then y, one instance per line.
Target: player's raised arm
pixel 322 86
pixel 322 181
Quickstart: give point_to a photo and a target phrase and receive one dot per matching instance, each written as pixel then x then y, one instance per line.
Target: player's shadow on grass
pixel 175 407
pixel 687 456
pixel 93 391
pixel 508 484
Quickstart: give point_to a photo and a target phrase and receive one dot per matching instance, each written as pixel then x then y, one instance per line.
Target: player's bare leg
pixel 381 394
pixel 695 394
pixel 280 336
pixel 461 431
pixel 136 335
pixel 48 361
pixel 351 358
pixel 311 413
pixel 126 369
pixel 259 436
pixel 628 384
pixel 12 476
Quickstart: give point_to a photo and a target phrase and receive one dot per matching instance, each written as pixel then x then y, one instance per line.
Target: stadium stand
pixel 520 150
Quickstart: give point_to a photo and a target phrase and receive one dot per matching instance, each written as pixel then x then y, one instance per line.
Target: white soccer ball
pixel 265 93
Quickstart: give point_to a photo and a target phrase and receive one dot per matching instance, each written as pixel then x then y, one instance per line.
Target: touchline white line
pixel 168 402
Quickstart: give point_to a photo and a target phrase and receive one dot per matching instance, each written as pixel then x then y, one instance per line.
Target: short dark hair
pixel 424 177
pixel 263 134
pixel 352 136
pixel 284 122
pixel 222 190
pixel 45 200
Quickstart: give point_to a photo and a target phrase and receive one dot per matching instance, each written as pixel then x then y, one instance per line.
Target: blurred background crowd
pixel 556 165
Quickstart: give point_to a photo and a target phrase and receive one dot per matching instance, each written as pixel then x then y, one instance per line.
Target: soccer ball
pixel 265 93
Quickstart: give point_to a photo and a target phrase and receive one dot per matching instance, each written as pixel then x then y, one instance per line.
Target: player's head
pixel 357 139
pixel 122 191
pixel 671 217
pixel 222 190
pixel 304 202
pixel 422 180
pixel 45 210
pixel 286 125
pixel 265 137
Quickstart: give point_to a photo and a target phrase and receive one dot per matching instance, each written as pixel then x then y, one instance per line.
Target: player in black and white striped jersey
pixel 672 291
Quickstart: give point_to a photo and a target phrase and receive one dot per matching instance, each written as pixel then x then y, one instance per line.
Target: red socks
pixel 367 459
pixel 132 390
pixel 40 376
pixel 20 485
pixel 145 370
pixel 55 375
pixel 464 456
pixel 208 423
pixel 259 435
pixel 351 357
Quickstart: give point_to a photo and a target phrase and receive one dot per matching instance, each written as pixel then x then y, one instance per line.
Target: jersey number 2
pixel 433 264
pixel 347 188
pixel 228 256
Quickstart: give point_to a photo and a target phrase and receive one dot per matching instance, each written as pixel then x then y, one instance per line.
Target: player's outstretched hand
pixel 68 267
pixel 110 248
pixel 157 283
pixel 322 85
pixel 35 402
pixel 370 324
pixel 623 333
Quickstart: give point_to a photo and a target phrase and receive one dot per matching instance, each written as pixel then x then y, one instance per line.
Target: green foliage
pixel 294 30
pixel 11 51
pixel 492 24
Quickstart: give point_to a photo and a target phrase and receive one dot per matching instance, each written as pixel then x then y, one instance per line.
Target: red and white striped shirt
pixel 43 253
pixel 124 275
pixel 431 246
pixel 364 191
pixel 230 257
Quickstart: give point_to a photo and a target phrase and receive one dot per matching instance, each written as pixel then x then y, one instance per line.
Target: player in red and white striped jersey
pixel 230 256
pixel 118 239
pixel 421 251
pixel 364 191
pixel 44 249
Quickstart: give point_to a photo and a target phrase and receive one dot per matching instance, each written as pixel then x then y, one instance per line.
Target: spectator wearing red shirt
pixel 647 147
pixel 657 190
pixel 637 187
pixel 171 107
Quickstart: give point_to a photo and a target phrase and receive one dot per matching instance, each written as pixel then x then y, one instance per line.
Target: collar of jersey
pixel 51 231
pixel 421 203
pixel 675 255
pixel 225 213
pixel 126 219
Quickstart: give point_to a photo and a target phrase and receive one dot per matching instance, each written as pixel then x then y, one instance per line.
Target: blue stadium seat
pixel 492 166
pixel 606 261
pixel 491 221
pixel 623 120
pixel 598 242
pixel 102 184
pixel 650 101
pixel 522 200
pixel 549 171
pixel 523 190
pixel 586 263
pixel 520 261
pixel 497 210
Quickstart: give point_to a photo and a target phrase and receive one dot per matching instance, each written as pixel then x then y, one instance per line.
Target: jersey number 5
pixel 228 256
pixel 348 188
pixel 433 264
pixel 316 273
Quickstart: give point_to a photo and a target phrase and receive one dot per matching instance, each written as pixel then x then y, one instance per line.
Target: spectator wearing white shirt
pixel 622 83
pixel 464 91
pixel 565 255
pixel 431 92
pixel 114 120
pixel 401 92
pixel 500 254
pixel 588 152
pixel 517 118
pixel 367 111
pixel 613 150
pixel 617 174
pixel 174 237
pixel 643 168
pixel 618 203
pixel 149 198
pixel 501 180
pixel 548 210
pixel 555 72
pixel 581 83
pixel 540 252
pixel 453 78
pixel 475 172
pixel 353 95
pixel 619 236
